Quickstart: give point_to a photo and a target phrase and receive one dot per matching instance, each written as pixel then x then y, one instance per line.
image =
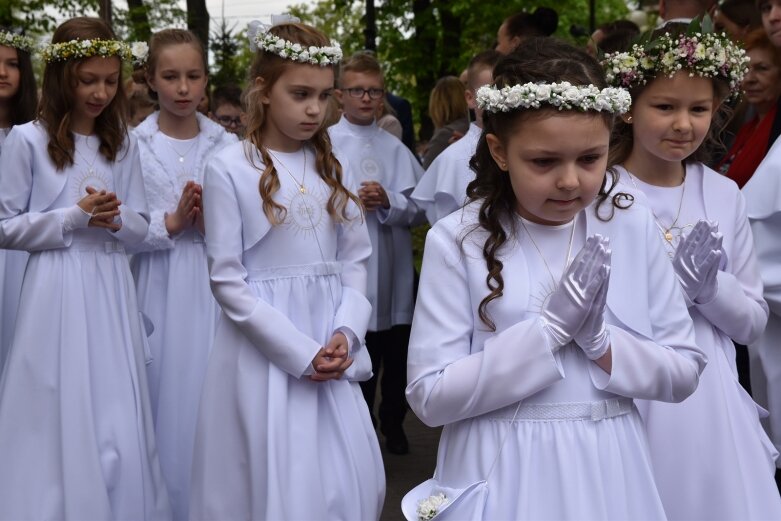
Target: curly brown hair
pixel 537 60
pixel 58 95
pixel 270 68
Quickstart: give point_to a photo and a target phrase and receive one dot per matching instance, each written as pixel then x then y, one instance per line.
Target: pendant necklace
pixel 569 249
pixel 301 187
pixel 666 231
pixel 181 156
pixel 90 164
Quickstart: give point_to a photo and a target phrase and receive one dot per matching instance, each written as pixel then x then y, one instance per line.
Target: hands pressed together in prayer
pixel 696 262
pixel 373 196
pixel 189 211
pixel 576 308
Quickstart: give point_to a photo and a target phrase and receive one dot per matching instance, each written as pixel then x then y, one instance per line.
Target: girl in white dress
pixel 18 103
pixel 169 266
pixel 76 435
pixel 530 337
pixel 711 458
pixel 283 430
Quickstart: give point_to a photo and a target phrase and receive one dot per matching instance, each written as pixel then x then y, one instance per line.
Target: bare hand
pixel 187 211
pixel 331 361
pixel 373 195
pixel 103 208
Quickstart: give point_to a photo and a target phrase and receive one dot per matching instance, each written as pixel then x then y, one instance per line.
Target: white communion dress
pixel 763 206
pixel 554 435
pixel 712 459
pixel 172 283
pixel 271 443
pixel 12 265
pixel 76 434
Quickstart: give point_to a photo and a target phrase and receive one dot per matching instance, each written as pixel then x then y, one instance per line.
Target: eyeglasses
pixel 227 121
pixel 357 92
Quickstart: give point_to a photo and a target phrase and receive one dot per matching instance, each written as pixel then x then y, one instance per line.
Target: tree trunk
pixel 139 19
pixel 198 20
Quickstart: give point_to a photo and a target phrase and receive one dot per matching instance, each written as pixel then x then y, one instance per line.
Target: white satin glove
pixel 568 306
pixel 696 262
pixel 594 337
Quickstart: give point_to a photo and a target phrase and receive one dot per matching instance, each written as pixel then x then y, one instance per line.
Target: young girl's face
pixel 97 84
pixel 179 79
pixel 556 164
pixel 296 105
pixel 671 117
pixel 9 73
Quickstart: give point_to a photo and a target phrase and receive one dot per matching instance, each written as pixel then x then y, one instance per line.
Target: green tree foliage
pixel 419 41
pixel 40 16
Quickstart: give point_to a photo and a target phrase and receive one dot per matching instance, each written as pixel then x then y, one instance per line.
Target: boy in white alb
pixel 442 189
pixel 386 172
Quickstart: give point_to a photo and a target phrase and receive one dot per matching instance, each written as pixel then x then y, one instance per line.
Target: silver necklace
pixel 181 156
pixel 539 252
pixel 301 187
pixel 666 232
pixel 90 164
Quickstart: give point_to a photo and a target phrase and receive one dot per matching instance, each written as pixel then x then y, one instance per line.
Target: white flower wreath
pixel 563 96
pixel 17 41
pixel 261 38
pixel 77 49
pixel 709 55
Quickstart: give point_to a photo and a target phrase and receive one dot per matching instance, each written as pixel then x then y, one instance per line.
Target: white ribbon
pixel 256 27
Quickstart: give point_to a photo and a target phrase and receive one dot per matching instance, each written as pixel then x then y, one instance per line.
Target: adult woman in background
pixel 762 88
pixel 450 114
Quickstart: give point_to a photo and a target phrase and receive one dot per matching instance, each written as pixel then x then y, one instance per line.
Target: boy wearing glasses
pixel 385 172
pixel 226 109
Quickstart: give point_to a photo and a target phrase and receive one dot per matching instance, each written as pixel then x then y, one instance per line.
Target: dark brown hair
pixel 537 60
pixel 165 38
pixel 270 67
pixel 58 95
pixel 622 139
pixel 542 22
pixel 23 105
pixel 479 62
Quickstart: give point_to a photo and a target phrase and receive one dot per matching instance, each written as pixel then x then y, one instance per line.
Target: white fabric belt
pixel 97 246
pixel 283 272
pixel 593 411
pixel 194 236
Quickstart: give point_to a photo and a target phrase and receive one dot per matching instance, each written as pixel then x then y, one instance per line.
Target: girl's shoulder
pixel 30 131
pixel 712 179
pixel 232 159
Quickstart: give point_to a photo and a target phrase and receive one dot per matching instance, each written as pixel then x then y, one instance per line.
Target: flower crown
pixel 77 49
pixel 17 41
pixel 261 38
pixel 702 53
pixel 564 96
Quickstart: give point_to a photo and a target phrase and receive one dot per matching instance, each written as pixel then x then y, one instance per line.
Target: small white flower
pixel 430 506
pixel 139 50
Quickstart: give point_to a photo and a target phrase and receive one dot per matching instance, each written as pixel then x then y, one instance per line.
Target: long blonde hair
pixel 270 68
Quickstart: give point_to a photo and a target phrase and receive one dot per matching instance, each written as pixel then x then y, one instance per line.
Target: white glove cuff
pixel 597 347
